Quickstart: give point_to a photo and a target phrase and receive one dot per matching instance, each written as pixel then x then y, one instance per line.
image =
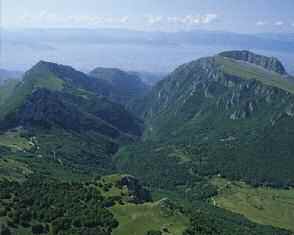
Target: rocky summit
pixel 269 63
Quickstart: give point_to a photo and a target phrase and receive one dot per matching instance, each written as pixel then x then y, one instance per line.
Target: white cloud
pixel 261 23
pixel 51 19
pixel 206 19
pixel 26 19
pixel 279 23
pixel 192 20
pixel 46 18
pixel 124 19
pixel 154 19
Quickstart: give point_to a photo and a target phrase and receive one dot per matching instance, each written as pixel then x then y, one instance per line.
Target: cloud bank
pixel 183 20
pixel 52 19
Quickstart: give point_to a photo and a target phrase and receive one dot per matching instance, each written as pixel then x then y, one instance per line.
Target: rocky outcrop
pixel 137 193
pixel 269 63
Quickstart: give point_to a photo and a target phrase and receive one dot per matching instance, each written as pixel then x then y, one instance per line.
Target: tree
pixel 38 229
pixel 154 232
pixel 5 231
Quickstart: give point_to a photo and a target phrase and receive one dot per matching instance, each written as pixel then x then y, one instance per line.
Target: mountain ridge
pixel 69 146
pixel 227 113
pixel 269 63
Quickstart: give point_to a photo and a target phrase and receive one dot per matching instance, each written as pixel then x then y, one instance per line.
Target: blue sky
pixel 248 16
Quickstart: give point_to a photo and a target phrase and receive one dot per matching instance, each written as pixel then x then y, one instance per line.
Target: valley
pixel 206 150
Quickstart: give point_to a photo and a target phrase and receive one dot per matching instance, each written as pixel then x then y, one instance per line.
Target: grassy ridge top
pixel 246 70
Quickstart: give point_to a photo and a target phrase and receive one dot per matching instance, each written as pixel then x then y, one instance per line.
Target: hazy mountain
pixel 158 52
pixel 125 86
pixel 7 75
pixel 148 77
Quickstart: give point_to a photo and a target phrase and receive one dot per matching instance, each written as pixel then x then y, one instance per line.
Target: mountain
pixel 125 86
pixel 159 52
pixel 229 115
pixel 148 77
pixel 9 75
pixel 265 41
pixel 271 64
pixel 113 84
pixel 220 130
pixel 59 106
pixel 66 145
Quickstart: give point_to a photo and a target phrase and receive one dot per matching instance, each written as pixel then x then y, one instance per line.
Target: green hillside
pixel 56 113
pixel 262 205
pixel 217 116
pixel 232 118
pixel 74 159
pixel 6 89
pixel 139 219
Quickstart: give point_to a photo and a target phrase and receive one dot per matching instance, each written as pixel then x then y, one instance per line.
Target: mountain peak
pixel 66 73
pixel 269 63
pixel 42 64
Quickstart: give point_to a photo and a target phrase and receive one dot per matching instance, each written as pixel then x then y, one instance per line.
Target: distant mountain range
pixel 266 41
pixel 8 75
pixel 133 50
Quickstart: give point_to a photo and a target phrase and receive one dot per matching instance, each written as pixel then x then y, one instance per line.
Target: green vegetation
pixel 13 170
pixel 6 89
pixel 262 205
pixel 13 139
pixel 43 207
pixel 223 122
pixel 209 220
pixel 139 219
pixel 72 160
pixel 134 210
pixel 32 81
pixel 125 86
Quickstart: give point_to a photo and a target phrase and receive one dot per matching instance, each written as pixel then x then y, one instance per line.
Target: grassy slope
pixel 6 90
pixel 262 205
pixel 138 219
pixel 249 71
pixel 13 140
pixel 16 95
pixel 25 156
pixel 11 169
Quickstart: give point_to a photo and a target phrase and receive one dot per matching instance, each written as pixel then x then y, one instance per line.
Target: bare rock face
pixel 269 63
